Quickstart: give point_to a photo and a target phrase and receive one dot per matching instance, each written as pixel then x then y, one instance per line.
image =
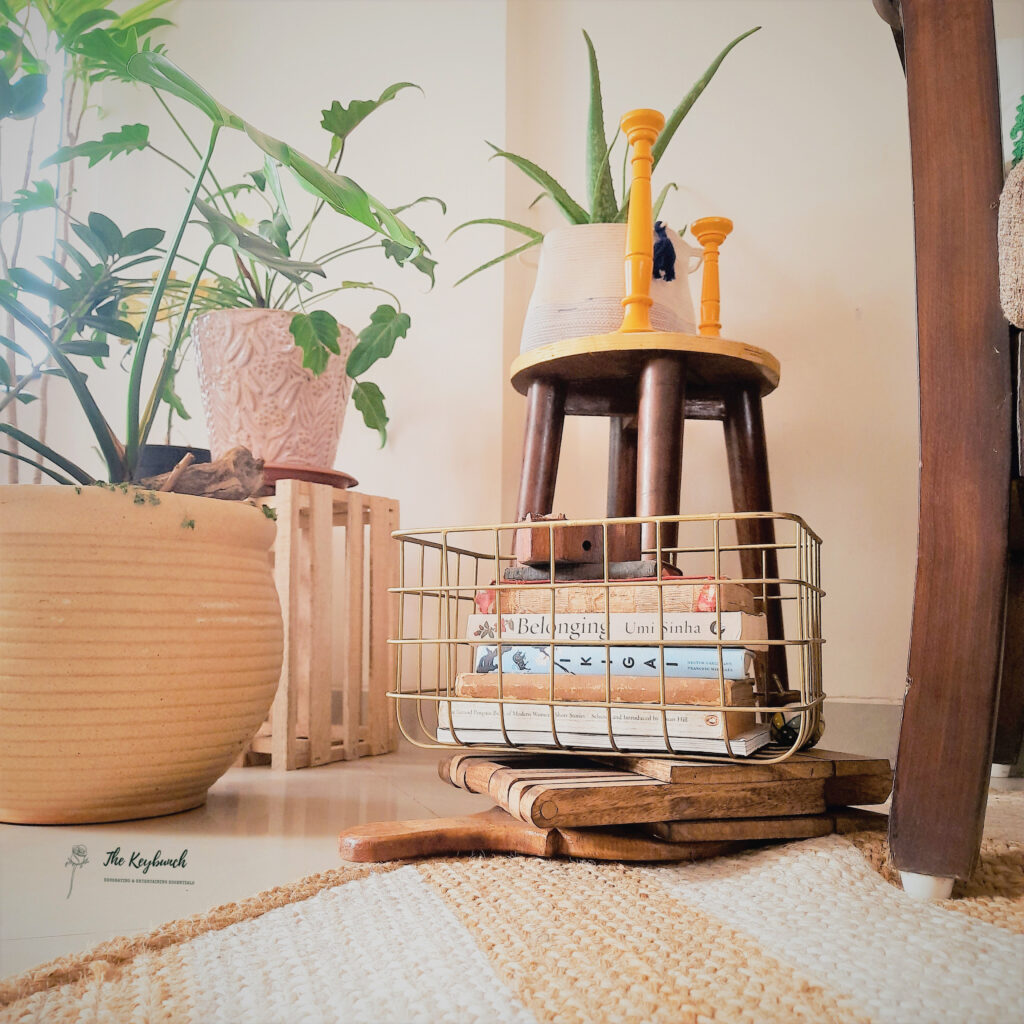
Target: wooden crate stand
pixel 335 637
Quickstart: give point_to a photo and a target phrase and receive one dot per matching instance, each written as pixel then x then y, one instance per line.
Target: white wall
pixel 801 139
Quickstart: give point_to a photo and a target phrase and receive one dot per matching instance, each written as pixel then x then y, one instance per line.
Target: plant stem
pixel 256 293
pixel 165 369
pixel 146 333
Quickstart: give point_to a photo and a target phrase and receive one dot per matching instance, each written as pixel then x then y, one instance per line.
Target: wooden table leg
pixel 747 453
pixel 943 765
pixel 545 415
pixel 622 445
pixel 662 396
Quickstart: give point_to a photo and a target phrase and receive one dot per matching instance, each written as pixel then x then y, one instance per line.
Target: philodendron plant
pixel 89 297
pixel 603 206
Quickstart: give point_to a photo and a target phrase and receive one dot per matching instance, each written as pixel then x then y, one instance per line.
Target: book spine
pixel 741 746
pixel 699 662
pixel 622 627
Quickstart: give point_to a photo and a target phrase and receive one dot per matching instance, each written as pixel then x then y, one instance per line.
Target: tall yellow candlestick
pixel 641 128
pixel 710 232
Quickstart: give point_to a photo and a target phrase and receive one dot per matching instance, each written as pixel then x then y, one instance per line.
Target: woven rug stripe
pixel 821 905
pixel 584 942
pixel 360 952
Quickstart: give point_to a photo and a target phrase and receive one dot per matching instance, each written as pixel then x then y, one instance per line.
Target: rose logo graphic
pixel 79 858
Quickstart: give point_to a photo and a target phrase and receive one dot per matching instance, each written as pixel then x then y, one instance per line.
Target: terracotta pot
pixel 140 648
pixel 257 393
pixel 581 280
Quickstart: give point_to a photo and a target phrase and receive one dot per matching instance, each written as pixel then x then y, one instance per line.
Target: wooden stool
pixel 648 383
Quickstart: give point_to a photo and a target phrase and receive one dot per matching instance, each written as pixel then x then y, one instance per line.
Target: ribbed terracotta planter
pixel 257 393
pixel 140 648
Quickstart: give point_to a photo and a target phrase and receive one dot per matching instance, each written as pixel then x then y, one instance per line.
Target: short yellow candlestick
pixel 711 233
pixel 641 128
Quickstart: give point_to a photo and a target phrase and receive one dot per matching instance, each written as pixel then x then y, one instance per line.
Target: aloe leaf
pixel 501 259
pixel 660 201
pixel 599 179
pixel 47 453
pixel 512 225
pixel 677 115
pixel 572 210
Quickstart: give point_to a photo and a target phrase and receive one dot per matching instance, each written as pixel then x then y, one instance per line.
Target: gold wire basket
pixel 662 678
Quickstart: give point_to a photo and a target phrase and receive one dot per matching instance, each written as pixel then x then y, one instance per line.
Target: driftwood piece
pixel 235 476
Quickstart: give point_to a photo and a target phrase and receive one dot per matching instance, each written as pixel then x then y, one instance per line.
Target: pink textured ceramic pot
pixel 258 394
pixel 140 648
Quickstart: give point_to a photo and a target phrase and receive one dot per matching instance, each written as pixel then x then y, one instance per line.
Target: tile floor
pixel 258 829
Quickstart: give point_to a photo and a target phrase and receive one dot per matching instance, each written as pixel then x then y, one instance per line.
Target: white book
pixel 743 745
pixel 589 720
pixel 624 627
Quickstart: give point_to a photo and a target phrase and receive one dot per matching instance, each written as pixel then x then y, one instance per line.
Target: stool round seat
pixel 592 369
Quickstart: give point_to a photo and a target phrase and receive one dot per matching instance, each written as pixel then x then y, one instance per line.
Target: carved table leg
pixel 747 452
pixel 662 396
pixel 545 414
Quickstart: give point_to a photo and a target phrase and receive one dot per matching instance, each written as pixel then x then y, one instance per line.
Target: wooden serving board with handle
pixel 561 792
pixel 496 831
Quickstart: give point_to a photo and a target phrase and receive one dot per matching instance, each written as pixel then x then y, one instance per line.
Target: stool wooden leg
pixel 622 445
pixel 662 397
pixel 545 414
pixel 751 492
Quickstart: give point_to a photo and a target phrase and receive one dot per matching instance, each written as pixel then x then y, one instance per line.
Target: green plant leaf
pixel 138 241
pixel 600 190
pixel 106 231
pixel 317 335
pixel 369 400
pixel 340 121
pixel 660 201
pixel 274 181
pixel 156 70
pixel 92 240
pixel 25 398
pixel 14 347
pixel 86 348
pixel 500 259
pixel 276 232
pixel 377 341
pixel 88 19
pixel 675 119
pixel 32 462
pixel 572 210
pixel 140 12
pixel 226 232
pixel 512 225
pixel 21 313
pixel 48 453
pixel 5 374
pixel 39 197
pixel 422 199
pixel 129 138
pixel 29 282
pixel 173 399
pixel 24 98
pixel 109 325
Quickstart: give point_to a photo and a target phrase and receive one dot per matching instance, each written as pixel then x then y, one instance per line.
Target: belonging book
pixel 627 689
pixel 625 627
pixel 697 662
pixel 678 594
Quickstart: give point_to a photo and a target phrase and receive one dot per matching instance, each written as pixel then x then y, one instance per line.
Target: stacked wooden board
pixel 638 808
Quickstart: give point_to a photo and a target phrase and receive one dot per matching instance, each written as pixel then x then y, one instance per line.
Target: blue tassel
pixel 664 254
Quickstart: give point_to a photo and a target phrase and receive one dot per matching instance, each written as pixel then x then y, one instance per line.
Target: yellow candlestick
pixel 711 233
pixel 641 128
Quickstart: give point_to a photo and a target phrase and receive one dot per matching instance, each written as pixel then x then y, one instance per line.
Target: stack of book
pixel 548 665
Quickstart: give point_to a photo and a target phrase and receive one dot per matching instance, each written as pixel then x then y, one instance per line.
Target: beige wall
pixel 801 139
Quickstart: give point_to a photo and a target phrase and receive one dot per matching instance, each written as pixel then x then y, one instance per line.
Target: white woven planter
pixel 581 280
pixel 257 393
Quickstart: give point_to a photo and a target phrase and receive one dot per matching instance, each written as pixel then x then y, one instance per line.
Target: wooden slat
pixel 796 767
pixel 319 544
pixel 806 826
pixel 381 577
pixel 283 713
pixel 352 683
pixel 392 622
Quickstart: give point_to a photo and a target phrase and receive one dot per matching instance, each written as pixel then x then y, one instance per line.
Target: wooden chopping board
pixel 560 792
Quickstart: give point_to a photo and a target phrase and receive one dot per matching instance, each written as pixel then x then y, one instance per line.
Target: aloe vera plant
pixel 602 206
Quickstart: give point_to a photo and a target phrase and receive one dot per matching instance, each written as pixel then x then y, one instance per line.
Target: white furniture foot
pixel 926 887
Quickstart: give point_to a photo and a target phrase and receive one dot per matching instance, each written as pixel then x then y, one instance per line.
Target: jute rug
pixel 809 931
